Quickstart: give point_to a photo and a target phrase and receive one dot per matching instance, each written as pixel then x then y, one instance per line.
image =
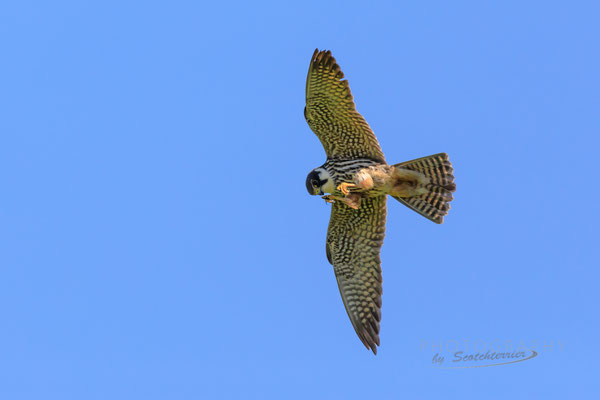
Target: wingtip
pixel 327 61
pixel 370 340
pixel 372 347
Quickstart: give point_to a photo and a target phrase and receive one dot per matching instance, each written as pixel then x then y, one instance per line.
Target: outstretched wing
pixel 331 114
pixel 354 240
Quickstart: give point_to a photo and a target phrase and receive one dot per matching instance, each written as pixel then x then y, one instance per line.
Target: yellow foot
pixel 344 186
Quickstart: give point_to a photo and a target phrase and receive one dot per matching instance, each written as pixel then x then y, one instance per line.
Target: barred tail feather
pixel 435 203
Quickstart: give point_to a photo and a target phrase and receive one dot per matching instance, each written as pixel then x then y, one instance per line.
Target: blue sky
pixel 157 240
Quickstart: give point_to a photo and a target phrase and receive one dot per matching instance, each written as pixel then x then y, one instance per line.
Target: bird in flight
pixel 356 179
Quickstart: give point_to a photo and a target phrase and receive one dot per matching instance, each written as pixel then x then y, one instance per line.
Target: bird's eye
pixel 313 183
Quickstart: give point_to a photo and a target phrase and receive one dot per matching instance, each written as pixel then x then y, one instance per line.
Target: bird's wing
pixel 354 240
pixel 331 114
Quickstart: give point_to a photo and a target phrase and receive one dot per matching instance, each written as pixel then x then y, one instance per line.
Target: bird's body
pixel 371 178
pixel 358 180
pixel 338 171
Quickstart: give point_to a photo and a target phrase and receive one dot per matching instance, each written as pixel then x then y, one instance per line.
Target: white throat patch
pixel 328 187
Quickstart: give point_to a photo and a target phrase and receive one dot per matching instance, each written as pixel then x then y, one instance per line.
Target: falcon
pixel 356 179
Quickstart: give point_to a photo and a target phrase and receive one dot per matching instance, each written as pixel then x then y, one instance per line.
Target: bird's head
pixel 319 182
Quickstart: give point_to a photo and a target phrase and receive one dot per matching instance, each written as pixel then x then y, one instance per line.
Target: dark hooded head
pixel 316 181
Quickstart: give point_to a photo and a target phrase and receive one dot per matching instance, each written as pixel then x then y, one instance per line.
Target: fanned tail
pixel 434 204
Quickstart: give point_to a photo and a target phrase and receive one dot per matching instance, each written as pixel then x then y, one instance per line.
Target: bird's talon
pixel 328 199
pixel 344 186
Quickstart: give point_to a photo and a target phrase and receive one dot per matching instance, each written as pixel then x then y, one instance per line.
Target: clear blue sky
pixel 157 240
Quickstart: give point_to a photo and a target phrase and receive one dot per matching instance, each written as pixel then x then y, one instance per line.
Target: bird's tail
pixel 435 202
